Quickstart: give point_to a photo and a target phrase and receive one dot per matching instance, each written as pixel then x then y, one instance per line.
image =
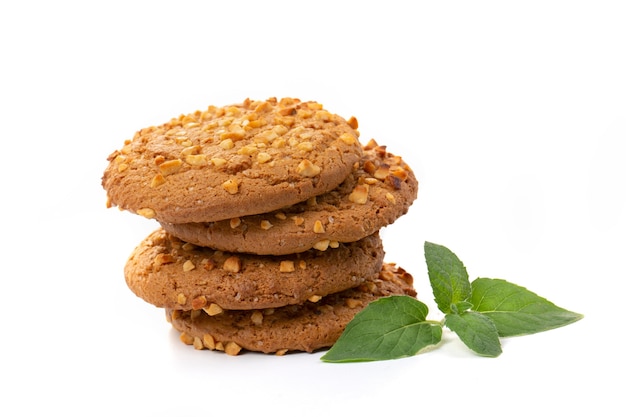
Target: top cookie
pixel 375 194
pixel 232 161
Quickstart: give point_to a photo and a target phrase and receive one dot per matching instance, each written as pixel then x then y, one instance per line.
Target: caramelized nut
pixel 266 225
pixel 322 245
pixel 231 186
pixel 213 309
pixel 232 264
pixel 186 338
pixel 197 343
pixel 232 349
pixel 360 194
pixel 287 266
pixel 318 227
pixel 196 160
pixel 198 302
pixel 235 222
pixel 188 266
pixel 315 298
pixel 170 167
pixel 181 299
pixel 256 318
pixel 208 341
pixel 157 181
pixel 347 138
pixel 307 169
pixel 148 213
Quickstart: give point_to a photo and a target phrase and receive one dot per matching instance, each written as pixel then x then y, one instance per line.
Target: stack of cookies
pixel 269 214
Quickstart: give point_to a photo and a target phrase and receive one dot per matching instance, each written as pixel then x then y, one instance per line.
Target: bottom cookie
pixel 304 327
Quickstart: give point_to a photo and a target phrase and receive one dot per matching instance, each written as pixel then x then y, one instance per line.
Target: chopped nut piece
pixel 369 167
pixel 353 122
pixel 186 338
pixel 287 266
pixel 208 341
pixel 298 221
pixel 181 299
pixel 322 245
pixel 219 346
pixel 188 266
pixel 370 181
pixel 191 150
pixel 382 172
pixel 232 349
pixel 333 244
pixel 302 264
pixel 305 146
pixel 170 167
pixel 315 298
pixel 161 259
pixel 370 145
pixel 218 162
pixel 198 302
pixel 248 150
pixel 307 169
pixel 227 144
pixel 196 160
pixel 122 167
pixel 157 181
pixel 197 343
pixel 232 264
pixel 235 222
pixel 281 352
pixel 347 138
pixel 390 198
pixel 318 227
pixel 280 215
pixel 208 264
pixel 148 213
pixel 360 194
pixel 263 157
pixel 352 303
pixel 213 309
pixel 266 225
pixel 256 317
pixel 159 159
pixel 188 246
pixel 231 186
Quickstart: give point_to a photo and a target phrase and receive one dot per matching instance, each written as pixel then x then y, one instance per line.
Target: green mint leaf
pixel 515 310
pixel 477 331
pixel 448 277
pixel 389 328
pixel 460 307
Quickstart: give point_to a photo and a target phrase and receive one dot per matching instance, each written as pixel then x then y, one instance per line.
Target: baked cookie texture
pixel 269 214
pixel 304 327
pixel 379 190
pixel 168 272
pixel 237 160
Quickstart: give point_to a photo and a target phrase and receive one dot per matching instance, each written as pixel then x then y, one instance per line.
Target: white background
pixel 512 114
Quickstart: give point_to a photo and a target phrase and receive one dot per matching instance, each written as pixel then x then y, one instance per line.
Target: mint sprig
pixel 478 312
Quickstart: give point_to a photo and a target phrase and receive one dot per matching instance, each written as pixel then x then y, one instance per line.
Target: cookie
pixel 232 161
pixel 168 272
pixel 306 327
pixel 375 194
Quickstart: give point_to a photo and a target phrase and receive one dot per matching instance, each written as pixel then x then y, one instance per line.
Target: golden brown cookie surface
pixel 305 327
pixel 232 161
pixel 374 195
pixel 167 272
